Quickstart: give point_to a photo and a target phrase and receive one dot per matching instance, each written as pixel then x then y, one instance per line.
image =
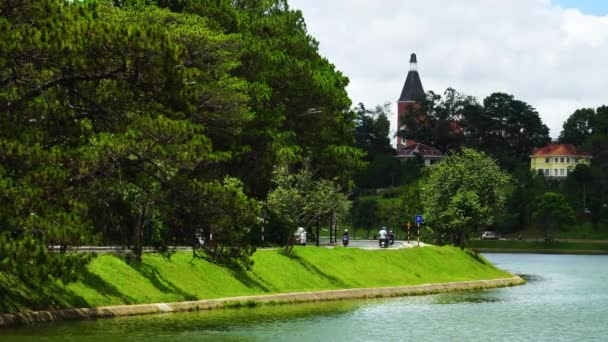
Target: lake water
pixel 566 299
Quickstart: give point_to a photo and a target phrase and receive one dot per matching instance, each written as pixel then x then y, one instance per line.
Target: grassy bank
pixel 579 247
pixel 112 281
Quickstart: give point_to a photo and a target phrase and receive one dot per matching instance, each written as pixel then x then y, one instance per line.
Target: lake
pixel 565 299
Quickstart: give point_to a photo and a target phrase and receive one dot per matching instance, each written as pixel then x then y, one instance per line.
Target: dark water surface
pixel 566 299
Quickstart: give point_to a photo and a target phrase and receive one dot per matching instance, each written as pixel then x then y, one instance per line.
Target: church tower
pixel 411 93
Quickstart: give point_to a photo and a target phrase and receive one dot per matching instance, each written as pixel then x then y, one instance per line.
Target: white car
pixel 488 235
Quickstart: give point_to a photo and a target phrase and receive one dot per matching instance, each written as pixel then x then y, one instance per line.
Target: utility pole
pixel 331 229
pixel 264 218
pixel 318 228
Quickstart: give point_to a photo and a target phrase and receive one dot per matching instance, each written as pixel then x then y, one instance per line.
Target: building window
pixel 568 160
pixel 555 160
pixel 555 172
pixel 561 160
pixel 561 172
pixel 547 160
pixel 547 172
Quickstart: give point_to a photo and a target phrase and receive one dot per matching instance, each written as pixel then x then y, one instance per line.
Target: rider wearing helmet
pixel 382 237
pixel 345 238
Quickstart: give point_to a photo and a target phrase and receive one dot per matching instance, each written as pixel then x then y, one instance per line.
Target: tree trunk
pixel 462 238
pixel 138 234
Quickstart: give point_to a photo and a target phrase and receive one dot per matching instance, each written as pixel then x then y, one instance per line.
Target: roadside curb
pixel 250 301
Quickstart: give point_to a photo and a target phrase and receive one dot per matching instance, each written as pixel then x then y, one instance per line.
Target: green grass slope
pixel 112 281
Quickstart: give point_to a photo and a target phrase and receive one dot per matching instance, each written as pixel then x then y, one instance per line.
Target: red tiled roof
pixel 559 150
pixel 412 148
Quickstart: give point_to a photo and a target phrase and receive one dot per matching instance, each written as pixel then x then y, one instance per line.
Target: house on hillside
pixel 558 160
pixel 411 94
pixel 412 149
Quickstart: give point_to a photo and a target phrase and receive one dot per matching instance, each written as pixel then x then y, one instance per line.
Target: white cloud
pixel 554 59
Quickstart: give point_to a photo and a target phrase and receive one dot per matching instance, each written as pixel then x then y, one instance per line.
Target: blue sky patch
pixel 595 7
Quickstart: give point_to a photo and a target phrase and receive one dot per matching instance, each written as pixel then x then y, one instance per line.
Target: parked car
pixel 489 235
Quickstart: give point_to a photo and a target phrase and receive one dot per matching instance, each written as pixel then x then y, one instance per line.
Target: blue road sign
pixel 419 219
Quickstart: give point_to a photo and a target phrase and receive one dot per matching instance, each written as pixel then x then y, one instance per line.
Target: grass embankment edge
pixel 114 281
pixel 252 301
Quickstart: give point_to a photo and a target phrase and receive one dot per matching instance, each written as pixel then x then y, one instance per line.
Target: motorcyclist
pixel 300 236
pixel 391 237
pixel 382 237
pixel 345 238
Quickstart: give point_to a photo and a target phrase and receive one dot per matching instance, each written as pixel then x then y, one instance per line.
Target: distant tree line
pixel 501 127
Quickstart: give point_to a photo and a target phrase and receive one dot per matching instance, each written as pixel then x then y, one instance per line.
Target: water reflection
pixel 476 297
pixel 531 278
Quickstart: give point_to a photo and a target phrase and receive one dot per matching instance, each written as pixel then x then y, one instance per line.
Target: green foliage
pixel 372 136
pixel 298 101
pixel 299 200
pixel 438 121
pixel 503 127
pixel 553 211
pixel 147 123
pixel 523 195
pixel 364 214
pixel 463 193
pixel 578 127
pixel 383 171
pixel 586 187
pixel 510 129
pixel 372 130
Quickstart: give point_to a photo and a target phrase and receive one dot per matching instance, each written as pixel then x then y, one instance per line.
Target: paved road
pixel 373 244
pixel 363 244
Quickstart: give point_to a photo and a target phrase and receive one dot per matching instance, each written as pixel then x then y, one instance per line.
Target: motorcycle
pixel 383 243
pixel 345 241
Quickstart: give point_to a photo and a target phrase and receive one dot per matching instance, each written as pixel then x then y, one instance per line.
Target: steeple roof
pixel 412 89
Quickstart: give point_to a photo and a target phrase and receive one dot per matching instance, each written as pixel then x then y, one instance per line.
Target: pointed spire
pixel 413 63
pixel 412 89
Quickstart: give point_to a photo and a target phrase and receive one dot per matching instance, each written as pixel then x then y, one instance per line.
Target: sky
pixel 552 54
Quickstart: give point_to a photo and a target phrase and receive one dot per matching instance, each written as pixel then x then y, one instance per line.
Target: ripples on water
pixel 565 299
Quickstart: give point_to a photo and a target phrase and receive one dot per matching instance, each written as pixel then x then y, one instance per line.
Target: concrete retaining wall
pixel 209 304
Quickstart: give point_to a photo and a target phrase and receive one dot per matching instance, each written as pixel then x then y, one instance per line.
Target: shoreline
pixel 540 251
pixel 14 319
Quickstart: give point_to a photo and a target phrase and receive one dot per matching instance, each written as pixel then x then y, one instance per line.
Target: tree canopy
pixel 149 122
pixel 502 126
pixel 463 193
pixel 578 127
